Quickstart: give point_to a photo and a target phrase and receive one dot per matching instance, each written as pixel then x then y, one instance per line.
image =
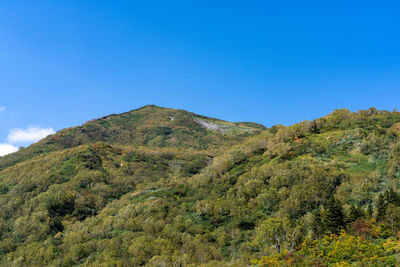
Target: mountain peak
pixel 150 126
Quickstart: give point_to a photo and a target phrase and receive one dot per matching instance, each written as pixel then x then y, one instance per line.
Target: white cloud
pixel 2 108
pixel 7 149
pixel 18 136
pixel 31 134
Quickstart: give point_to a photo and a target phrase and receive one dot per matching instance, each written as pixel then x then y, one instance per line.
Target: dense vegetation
pixel 318 193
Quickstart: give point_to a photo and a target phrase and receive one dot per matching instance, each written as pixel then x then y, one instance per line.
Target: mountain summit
pixel 149 126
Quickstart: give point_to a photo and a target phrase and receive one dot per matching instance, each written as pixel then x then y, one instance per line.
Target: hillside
pixel 149 126
pixel 209 193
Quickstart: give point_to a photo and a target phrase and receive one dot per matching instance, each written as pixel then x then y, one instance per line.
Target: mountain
pixel 124 190
pixel 149 126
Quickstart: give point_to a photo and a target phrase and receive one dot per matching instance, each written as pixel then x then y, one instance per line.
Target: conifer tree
pixel 317 225
pixel 334 219
pixel 380 208
pixel 354 214
pixel 391 197
pixel 370 211
pixel 314 127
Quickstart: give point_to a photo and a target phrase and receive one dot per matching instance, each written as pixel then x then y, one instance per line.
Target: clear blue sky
pixel 273 62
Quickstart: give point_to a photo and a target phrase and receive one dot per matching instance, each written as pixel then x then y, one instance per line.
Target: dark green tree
pixel 317 225
pixel 391 197
pixel 380 208
pixel 354 214
pixel 314 127
pixel 370 210
pixel 334 218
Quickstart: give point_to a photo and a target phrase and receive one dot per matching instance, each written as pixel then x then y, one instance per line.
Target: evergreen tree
pixel 317 225
pixel 380 208
pixel 354 214
pixel 370 211
pixel 391 197
pixel 334 219
pixel 314 127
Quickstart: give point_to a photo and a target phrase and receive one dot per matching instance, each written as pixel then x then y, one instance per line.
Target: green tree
pixel 392 217
pixel 380 208
pixel 334 219
pixel 370 210
pixel 354 214
pixel 391 197
pixel 295 234
pixel 272 232
pixel 316 224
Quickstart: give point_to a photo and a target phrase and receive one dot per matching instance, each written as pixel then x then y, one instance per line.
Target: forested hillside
pixel 164 187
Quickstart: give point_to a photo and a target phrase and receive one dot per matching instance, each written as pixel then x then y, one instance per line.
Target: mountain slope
pixel 72 175
pixel 121 205
pixel 150 126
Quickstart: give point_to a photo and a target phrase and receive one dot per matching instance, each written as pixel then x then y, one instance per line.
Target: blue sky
pixel 273 62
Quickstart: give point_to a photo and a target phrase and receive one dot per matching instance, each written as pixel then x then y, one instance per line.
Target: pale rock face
pixel 213 126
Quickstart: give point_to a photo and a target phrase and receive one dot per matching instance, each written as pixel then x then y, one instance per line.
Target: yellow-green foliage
pixel 125 190
pixel 337 250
